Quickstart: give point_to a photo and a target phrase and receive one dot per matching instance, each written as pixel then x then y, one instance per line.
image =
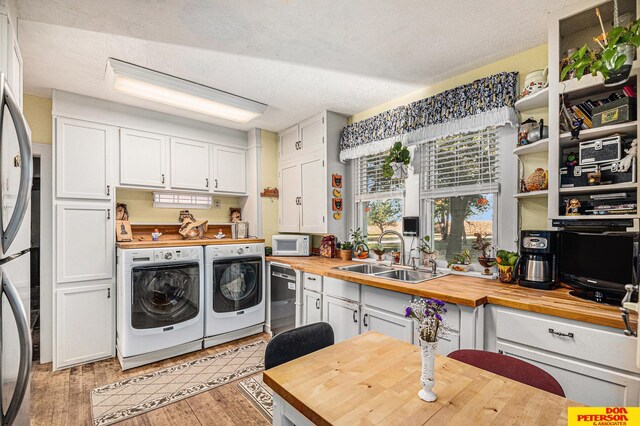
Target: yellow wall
pixel 534 211
pixel 37 111
pixel 269 178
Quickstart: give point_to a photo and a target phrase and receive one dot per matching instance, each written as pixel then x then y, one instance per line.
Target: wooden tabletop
pixel 473 291
pixel 375 379
pixel 186 243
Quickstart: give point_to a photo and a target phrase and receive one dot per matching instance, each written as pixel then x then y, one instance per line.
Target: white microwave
pixel 291 245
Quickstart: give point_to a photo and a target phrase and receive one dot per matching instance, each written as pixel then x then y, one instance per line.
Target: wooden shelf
pixel 599 188
pixel 585 87
pixel 537 100
pixel 540 146
pixel 533 194
pixel 627 129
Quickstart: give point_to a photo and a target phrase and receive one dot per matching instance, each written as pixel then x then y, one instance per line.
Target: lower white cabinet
pixel 343 316
pixel 312 307
pixel 391 325
pixel 85 320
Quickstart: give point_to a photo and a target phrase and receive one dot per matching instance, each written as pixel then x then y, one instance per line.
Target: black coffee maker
pixel 537 266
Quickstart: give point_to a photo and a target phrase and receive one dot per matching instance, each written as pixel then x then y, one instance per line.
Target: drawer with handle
pixel 313 282
pixel 583 341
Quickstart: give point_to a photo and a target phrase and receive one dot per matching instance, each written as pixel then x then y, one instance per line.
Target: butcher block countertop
pixel 473 291
pixel 186 243
pixel 374 379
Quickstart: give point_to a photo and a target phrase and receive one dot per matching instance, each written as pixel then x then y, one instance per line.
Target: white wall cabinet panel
pixel 14 71
pixel 289 144
pixel 84 242
pixel 391 325
pixel 230 170
pixel 313 196
pixel 190 164
pixel 83 159
pixel 312 307
pixel 290 188
pixel 143 158
pixel 343 316
pixel 312 135
pixel 84 324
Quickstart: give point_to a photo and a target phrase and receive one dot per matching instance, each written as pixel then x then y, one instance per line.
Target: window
pixel 379 200
pixel 183 200
pixel 459 184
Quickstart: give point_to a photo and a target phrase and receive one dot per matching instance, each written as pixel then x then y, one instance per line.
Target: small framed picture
pixel 235 214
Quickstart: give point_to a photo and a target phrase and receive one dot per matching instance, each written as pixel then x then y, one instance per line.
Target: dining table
pixel 374 379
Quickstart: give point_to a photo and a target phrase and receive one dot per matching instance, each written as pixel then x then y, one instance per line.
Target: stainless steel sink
pixel 365 268
pixel 408 276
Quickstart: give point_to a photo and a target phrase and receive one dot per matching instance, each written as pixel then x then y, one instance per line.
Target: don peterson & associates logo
pixel 603 416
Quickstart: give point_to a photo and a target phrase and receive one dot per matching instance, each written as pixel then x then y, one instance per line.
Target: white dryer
pixel 234 292
pixel 160 304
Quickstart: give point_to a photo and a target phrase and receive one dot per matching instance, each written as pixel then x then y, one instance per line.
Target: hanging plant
pixel 613 61
pixel 396 164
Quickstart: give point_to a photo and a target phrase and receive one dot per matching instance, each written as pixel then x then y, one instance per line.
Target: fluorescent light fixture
pixel 169 90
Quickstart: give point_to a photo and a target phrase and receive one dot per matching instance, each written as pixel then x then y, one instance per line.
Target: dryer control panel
pixel 175 254
pixel 236 250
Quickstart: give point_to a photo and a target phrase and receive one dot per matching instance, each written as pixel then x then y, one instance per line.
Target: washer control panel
pixel 236 250
pixel 175 254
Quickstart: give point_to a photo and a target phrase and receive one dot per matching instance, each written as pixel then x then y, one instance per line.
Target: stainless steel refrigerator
pixel 16 168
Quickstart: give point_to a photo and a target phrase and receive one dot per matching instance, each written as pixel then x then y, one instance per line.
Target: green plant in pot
pixel 506 261
pixel 426 252
pixel 378 250
pixel 346 250
pixel 396 164
pixel 460 261
pixel 614 61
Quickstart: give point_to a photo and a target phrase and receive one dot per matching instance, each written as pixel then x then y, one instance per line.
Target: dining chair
pixel 298 342
pixel 510 367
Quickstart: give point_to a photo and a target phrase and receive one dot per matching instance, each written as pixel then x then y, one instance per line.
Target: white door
pixel 312 135
pixel 143 157
pixel 15 66
pixel 391 325
pixel 313 205
pixel 83 159
pixel 290 198
pixel 84 242
pixel 312 307
pixel 230 169
pixel 84 324
pixel 289 143
pixel 343 316
pixel 190 164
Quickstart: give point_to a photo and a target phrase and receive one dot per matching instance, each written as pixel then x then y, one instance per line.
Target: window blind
pixel 369 182
pixel 184 200
pixel 460 165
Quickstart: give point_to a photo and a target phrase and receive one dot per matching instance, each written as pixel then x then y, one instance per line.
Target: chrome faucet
pixel 389 231
pixel 434 266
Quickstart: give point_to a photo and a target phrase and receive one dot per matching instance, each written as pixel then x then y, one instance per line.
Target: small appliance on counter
pixel 291 245
pixel 537 266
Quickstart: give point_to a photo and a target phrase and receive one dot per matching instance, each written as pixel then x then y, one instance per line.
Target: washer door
pixel 237 284
pixel 164 295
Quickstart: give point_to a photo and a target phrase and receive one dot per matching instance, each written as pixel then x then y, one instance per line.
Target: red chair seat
pixel 509 367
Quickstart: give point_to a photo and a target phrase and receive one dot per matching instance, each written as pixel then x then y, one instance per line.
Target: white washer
pixel 234 292
pixel 160 304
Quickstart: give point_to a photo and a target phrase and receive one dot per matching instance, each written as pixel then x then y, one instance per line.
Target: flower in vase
pixel 427 314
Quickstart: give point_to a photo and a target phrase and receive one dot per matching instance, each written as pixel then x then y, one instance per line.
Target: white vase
pixel 428 365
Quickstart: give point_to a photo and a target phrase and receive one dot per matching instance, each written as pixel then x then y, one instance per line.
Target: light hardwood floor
pixel 63 397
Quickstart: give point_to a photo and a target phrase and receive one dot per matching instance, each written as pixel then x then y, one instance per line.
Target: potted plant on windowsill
pixel 346 250
pixel 460 261
pixel 378 250
pixel 485 260
pixel 426 252
pixel 396 164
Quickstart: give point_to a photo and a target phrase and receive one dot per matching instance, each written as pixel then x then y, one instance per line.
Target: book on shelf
pixel 612 196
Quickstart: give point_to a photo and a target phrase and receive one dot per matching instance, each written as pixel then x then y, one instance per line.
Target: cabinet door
pixel 84 242
pixel 84 324
pixel 15 66
pixel 230 169
pixel 343 316
pixel 190 164
pixel 288 143
pixel 313 209
pixel 391 325
pixel 83 159
pixel 312 135
pixel 312 307
pixel 289 198
pixel 143 158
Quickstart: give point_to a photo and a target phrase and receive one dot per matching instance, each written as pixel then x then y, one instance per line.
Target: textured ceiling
pixel 299 57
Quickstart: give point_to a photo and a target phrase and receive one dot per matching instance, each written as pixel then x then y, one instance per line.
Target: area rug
pixel 137 395
pixel 259 394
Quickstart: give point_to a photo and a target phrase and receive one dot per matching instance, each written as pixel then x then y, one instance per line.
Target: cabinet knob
pixel 364 320
pixel 108 189
pixel 108 293
pixel 355 313
pixel 108 214
pixel 163 178
pixel 317 303
pixel 207 180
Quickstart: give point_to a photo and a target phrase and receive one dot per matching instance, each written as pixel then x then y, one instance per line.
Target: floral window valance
pixel 471 107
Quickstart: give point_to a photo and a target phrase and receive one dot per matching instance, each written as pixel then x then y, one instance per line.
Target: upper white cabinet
pixel 190 164
pixel 230 170
pixel 309 155
pixel 83 159
pixel 84 242
pixel 143 159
